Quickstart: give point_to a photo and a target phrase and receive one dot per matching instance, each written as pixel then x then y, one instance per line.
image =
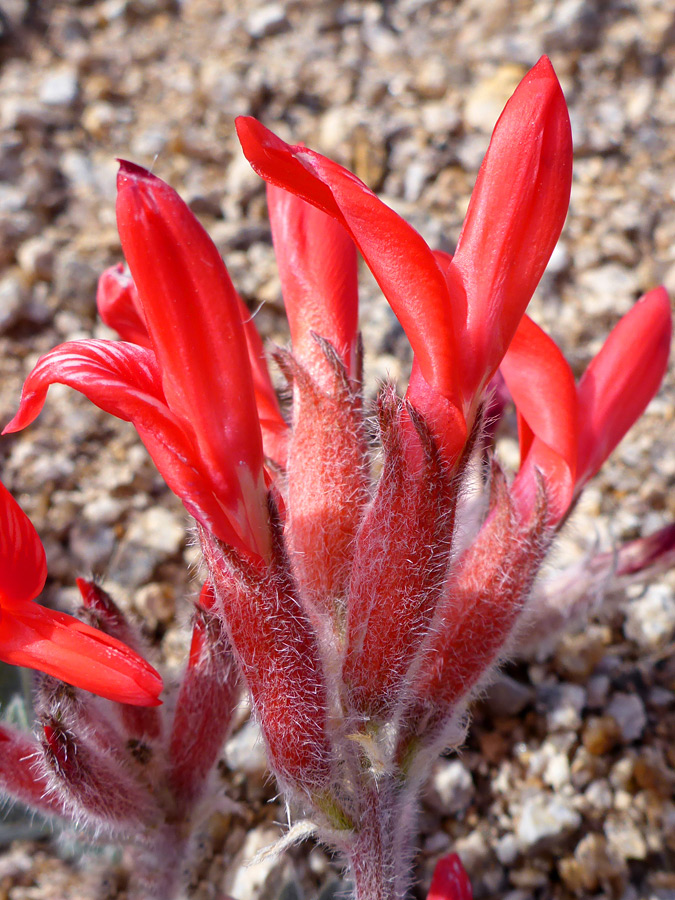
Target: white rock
pixel 507 849
pixel 92 544
pixel 268 20
pixel 153 536
pixel 628 711
pixel 599 795
pixel 608 288
pixel 557 772
pixel 650 621
pixel 473 851
pixel 624 837
pixel 103 509
pixel 545 817
pixel 559 261
pixel 36 257
pixel 486 100
pixel 158 529
pixel 60 88
pixel 416 176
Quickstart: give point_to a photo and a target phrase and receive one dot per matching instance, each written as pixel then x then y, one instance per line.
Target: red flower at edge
pixel 51 641
pixel 567 431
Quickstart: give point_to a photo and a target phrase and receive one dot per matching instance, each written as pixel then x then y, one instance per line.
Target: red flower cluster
pixel 363 612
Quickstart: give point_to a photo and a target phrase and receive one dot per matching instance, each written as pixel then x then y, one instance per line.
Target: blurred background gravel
pixel 565 787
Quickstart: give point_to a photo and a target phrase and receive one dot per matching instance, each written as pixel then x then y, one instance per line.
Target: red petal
pixel 124 380
pixel 317 266
pixel 272 424
pixel 120 307
pixel 514 220
pixel 23 568
pixel 622 379
pixel 450 881
pixel 66 648
pixel 193 317
pixel 542 386
pixel 399 258
pixel 445 417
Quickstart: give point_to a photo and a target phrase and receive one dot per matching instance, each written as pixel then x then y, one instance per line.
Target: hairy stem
pixel 381 854
pixel 159 866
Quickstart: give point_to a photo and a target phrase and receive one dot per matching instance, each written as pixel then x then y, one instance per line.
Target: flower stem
pixel 381 854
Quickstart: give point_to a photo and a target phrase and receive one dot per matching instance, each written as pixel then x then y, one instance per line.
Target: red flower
pixel 459 313
pixel 191 397
pixel 567 431
pixel 51 641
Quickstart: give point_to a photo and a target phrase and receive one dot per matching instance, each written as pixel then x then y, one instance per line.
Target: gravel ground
pixel 565 788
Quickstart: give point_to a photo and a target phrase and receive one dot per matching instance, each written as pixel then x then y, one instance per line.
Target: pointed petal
pixel 398 257
pixel 66 648
pixel 23 567
pixel 194 320
pixel 622 379
pixel 450 881
pixel 317 266
pixel 543 389
pixel 123 379
pixel 120 307
pixel 515 217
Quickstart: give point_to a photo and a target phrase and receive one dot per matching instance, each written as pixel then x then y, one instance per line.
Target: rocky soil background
pixel 565 787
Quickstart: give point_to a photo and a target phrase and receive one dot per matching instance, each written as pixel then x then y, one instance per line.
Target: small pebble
pixel 59 88
pixel 601 734
pixel 508 697
pixel 628 711
pixel 451 787
pixel 507 849
pixel 624 837
pixel 593 866
pixel 11 301
pixel 266 21
pixel 563 705
pixel 650 620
